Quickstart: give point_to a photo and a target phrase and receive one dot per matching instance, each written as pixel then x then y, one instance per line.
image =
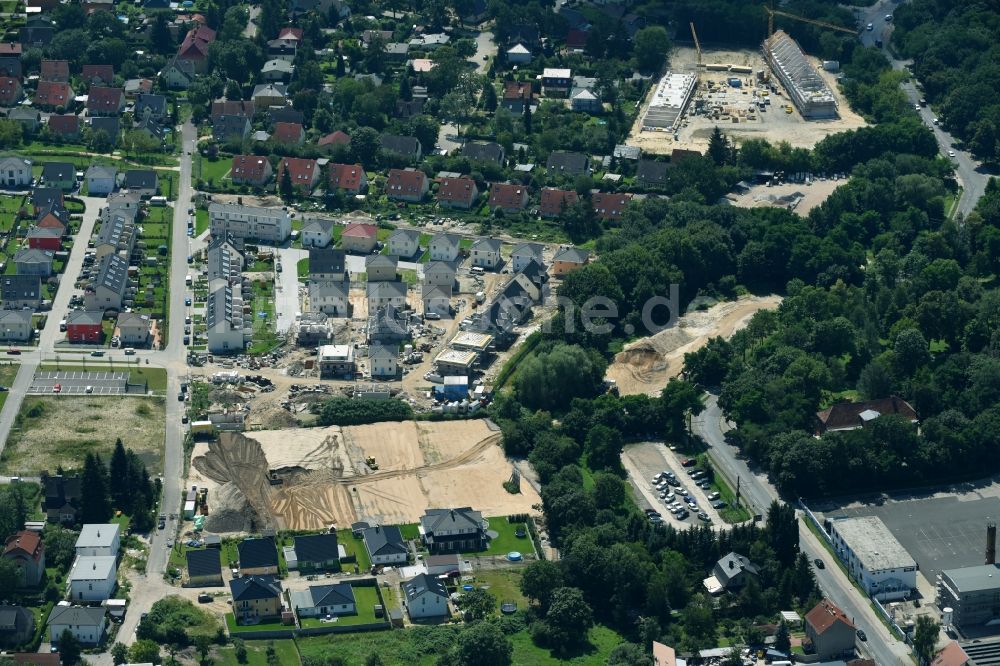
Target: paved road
pixel 448 138
pixel 251 30
pixel 881 646
pixel 286 294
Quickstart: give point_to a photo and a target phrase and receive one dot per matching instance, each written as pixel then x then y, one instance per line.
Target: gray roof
pixel 384 540
pixel 19 287
pixel 317 224
pixel 980 578
pixel 110 124
pixel 874 545
pixel 113 274
pixel 86 616
pixel 627 152
pixel 84 317
pixel 93 535
pixel 255 553
pixel 130 319
pixel 31 255
pixel 140 179
pixel 14 162
pixel 326 260
pixel 101 171
pixel 157 104
pixel 732 564
pixel 316 548
pixel 58 171
pixel 487 244
pixel 269 90
pixel 450 519
pixel 278 65
pixel 93 567
pixel 374 260
pixel 571 254
pixel 249 588
pixel 409 234
pixel 404 145
pixel 652 172
pixel 422 584
pixel 15 316
pixel 324 595
pixel 566 162
pixel 434 291
pixel 489 151
pixel 225 126
pixel 435 266
pixel 449 239
pixel 327 289
pixel 205 562
pixel 386 290
pixel 219 306
pixel 533 250
pixel 379 350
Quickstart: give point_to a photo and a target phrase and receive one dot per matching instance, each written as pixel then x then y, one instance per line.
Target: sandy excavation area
pixel 646 365
pixel 311 478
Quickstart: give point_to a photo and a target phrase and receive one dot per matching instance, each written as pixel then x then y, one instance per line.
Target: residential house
pixel 269 94
pixel 325 601
pixel 651 174
pixel 107 291
pixel 484 151
pixel 406 185
pixel 349 177
pixel 317 232
pixel 92 578
pixel 404 243
pixel 53 216
pixel 45 238
pixel 623 152
pixel 609 206
pixel 444 247
pixel 387 324
pixel 61 175
pixel 20 292
pixel 288 134
pixel 385 545
pixel 256 598
pixel 96 540
pixel 85 326
pixel 576 40
pixel 27 552
pixel 194 49
pixel 226 128
pixel 250 169
pixel 336 361
pixel 525 253
pixel 277 69
pixel 151 106
pixel 583 100
pixel 854 415
pixel 15 325
pixel 242 108
pixel 328 264
pixel 730 574
pixel 530 282
pixel 285 114
pixel 516 95
pixel 554 201
pixel 151 129
pixel 204 568
pixel 98 75
pixel 61 497
pixel 383 361
pixel 563 163
pixel 436 299
pixel 53 96
pixel 380 267
pixel 397 51
pixel 224 321
pixel 508 197
pixel 110 125
pixel 567 259
pixel 337 138
pixel 405 146
pixel 317 552
pixel 303 173
pixel 519 54
pixel 15 172
pixel 133 329
pixel 10 60
pixel 258 557
pixel 103 101
pixel 54 70
pixel 386 293
pixel 485 253
pixel 830 630
pixel 17 625
pixel 429 42
pixel 556 82
pixel 225 262
pixel 86 623
pixel 37 36
pixel 453 530
pixel 359 237
pixel 101 180
pixel 32 261
pixel 457 192
pixel 426 597
pixel 135 87
pixel 30 119
pixel 10 90
pixel 142 181
pixel 439 273
pixel 249 222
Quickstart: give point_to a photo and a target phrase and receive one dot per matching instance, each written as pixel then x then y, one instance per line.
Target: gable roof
pixel 157 104
pixel 27 542
pixel 439 266
pixel 486 245
pixel 86 616
pixel 104 73
pixel 111 125
pixel 317 225
pixel 404 145
pixel 205 562
pixel 824 615
pixel 461 190
pixel 249 588
pixel 319 289
pixel 378 350
pixel 572 255
pixel 651 172
pixel 300 171
pixel 553 200
pixel 64 124
pixel 256 553
pixel 140 179
pixel 508 195
pixel 53 93
pixel 287 132
pixel 54 70
pixel 326 260
pixel 373 260
pixel 101 171
pixel 384 539
pixel 31 255
pixel 434 292
pixel 845 415
pixel 104 99
pixel 483 150
pixel 404 235
pixel 316 548
pixel 232 108
pixel 249 167
pixel 15 317
pixel 58 171
pixel 360 230
pixel 381 290
pixel 423 584
pixel 567 162
pixel 517 90
pixel 337 138
pixel 533 250
pixel 196 42
pixel 405 181
pixel 346 176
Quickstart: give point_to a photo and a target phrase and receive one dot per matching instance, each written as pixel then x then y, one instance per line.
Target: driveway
pixel 286 287
pixel 448 138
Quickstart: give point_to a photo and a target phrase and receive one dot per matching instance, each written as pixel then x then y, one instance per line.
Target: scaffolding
pixel 806 88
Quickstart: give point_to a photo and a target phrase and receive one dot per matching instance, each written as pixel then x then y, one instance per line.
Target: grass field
pixel 506 541
pixel 257 653
pixel 213 171
pixel 7 374
pixel 354 547
pixel 264 336
pixel 200 221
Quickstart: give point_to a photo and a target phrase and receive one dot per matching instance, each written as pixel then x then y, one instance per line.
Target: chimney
pixel 732 565
pixel 991 543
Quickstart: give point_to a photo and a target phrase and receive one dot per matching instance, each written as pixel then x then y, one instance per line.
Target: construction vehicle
pixel 370 461
pixel 772 12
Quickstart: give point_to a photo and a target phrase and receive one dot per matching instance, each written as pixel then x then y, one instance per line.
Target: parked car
pixel 862 636
pixel 57 388
pixel 819 563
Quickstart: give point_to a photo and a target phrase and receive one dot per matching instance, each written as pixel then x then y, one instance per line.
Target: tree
pixel 912 350
pixel 782 639
pixel 69 648
pixel 10 576
pixel 203 644
pixel 719 149
pixel 569 618
pixel 118 471
pixel 11 133
pixel 651 46
pixel 679 399
pixel 119 653
pixel 374 659
pixel 99 141
pixel 552 379
pixel 609 491
pixel 580 220
pixel 478 603
pixel 629 654
pixel 875 381
pixel 489 98
pixel 483 644
pixel 540 579
pixel 60 545
pixel 240 650
pixel 366 146
pixel 285 185
pixel 603 447
pixel 527 118
pixel 925 638
pixel 144 651
pixel 405 92
pixel 95 503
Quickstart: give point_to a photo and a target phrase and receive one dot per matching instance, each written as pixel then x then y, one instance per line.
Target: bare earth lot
pixel 646 365
pixel 807 196
pixel 53 431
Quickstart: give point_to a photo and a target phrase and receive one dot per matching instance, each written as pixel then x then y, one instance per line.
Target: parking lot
pixel 76 383
pixel 644 461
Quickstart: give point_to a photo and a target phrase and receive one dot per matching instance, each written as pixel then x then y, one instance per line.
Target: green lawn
pixel 302 268
pixel 257 653
pixel 504 584
pixel 355 547
pixel 506 541
pixel 365 599
pixel 264 337
pixel 731 513
pixel 263 626
pixel 7 374
pixel 214 171
pixel 409 531
pixel 200 221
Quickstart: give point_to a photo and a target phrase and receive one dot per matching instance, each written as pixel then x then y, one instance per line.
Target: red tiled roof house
pixel 608 205
pixel 26 550
pixel 251 170
pixel 508 197
pixel 332 139
pixel 350 177
pixel 288 134
pixel 554 201
pixel 65 127
pixel 103 101
pixel 194 48
pixel 54 70
pixel 406 185
pixel 359 237
pixel 457 192
pixel 53 96
pixel 829 630
pixel 303 173
pixel 10 91
pixel 103 75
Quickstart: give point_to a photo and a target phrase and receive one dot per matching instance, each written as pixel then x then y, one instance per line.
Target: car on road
pixel 819 563
pixel 89 389
pixel 187 329
pixel 57 388
pixel 951 153
pixel 187 320
pixel 163 522
pixel 187 301
pixel 688 462
pixel 14 352
pixel 862 636
pixel 870 27
pixel 935 121
pixel 888 18
pixel 705 517
pixel 187 339
pixel 97 354
pixel 184 419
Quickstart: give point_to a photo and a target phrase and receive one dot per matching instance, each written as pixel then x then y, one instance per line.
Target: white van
pixel 478 270
pixel 62 325
pixel 129 351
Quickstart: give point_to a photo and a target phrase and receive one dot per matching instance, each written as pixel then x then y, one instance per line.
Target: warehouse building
pixel 972 594
pixel 874 557
pixel 670 98
pixel 807 89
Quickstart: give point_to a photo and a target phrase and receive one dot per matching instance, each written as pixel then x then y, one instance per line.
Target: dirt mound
pixel 230 511
pixel 238 462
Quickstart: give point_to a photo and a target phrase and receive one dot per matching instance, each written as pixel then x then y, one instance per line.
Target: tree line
pixel 123 484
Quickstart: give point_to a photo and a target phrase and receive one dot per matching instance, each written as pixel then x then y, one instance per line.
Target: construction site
pixel 385 473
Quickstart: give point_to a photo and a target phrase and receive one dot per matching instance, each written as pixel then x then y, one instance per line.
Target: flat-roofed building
pixel 336 361
pixel 472 341
pixel 874 557
pixel 971 593
pixel 455 362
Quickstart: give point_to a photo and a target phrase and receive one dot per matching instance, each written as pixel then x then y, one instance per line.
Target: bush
pixel 345 411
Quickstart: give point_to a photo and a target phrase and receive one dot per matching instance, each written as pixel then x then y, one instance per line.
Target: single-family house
pixel 86 623
pixel 651 174
pixel 388 324
pixel 444 247
pixel 61 175
pixel 609 206
pixel 224 320
pixel 349 177
pixel 485 253
pixel 484 151
pixel 194 49
pixel 102 101
pixel 98 75
pixel 583 100
pixel 133 329
pixel 554 201
pixel 84 326
pixel 380 267
pixel 317 232
pixel 101 180
pixel 266 95
pixel 334 139
pixel 29 119
pixel 53 216
pixel 92 578
pixel 303 173
pixel 404 243
pixel 567 259
pixel 426 596
pixel 45 238
pixel 854 415
pixel 107 291
pixel 53 96
pixel 98 539
pixel 141 181
pixel 405 146
pixel 17 625
pixel 32 261
pixel 64 127
pixel 439 273
pixel 317 552
pixel 227 128
pixel 288 134
pixel 453 530
pixel 61 497
pixel 151 106
pixel 20 292
pixel 258 557
pixel 110 125
pixel 15 172
pixel 830 630
pixel 383 361
pixel 508 197
pixel 562 163
pixel 250 169
pixel 516 96
pixel 359 237
pixel 556 82
pixel 386 293
pixel 519 54
pixel 285 114
pixel 525 253
pixel 10 64
pixel 204 568
pixel 277 69
pixel 256 598
pixel 436 299
pixel 152 129
pixel 327 264
pixel 43 198
pixel 406 185
pixel 336 361
pixel 15 325
pixel 385 545
pixel 325 601
pixel 731 573
pixel 576 40
pixel 265 224
pixel 27 552
pixel 38 33
pixel 457 192
pixel 135 87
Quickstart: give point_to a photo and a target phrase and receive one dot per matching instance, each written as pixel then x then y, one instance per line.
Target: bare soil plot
pixel 58 430
pixel 646 365
pixel 806 197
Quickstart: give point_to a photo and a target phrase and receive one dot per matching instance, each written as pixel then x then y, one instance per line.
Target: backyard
pixel 154 280
pixel 257 653
pixel 263 316
pixel 365 599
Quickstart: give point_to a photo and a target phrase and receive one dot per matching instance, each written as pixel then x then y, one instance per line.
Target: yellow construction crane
pixel 697 45
pixel 771 13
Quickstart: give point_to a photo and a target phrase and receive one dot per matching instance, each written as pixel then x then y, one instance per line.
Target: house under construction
pixel 668 102
pixel 807 89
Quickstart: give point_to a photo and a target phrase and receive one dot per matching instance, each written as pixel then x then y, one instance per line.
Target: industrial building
pixel 806 88
pixel 970 596
pixel 874 557
pixel 669 100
